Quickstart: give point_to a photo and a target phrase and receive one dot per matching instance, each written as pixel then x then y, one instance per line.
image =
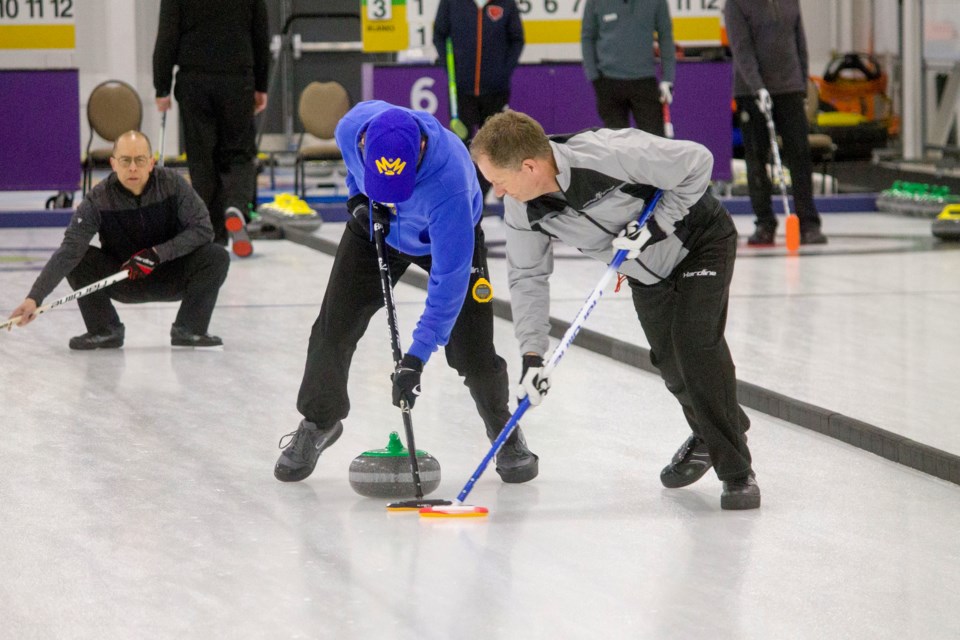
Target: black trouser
pixel 354 295
pixel 684 318
pixel 790 122
pixel 220 139
pixel 194 278
pixel 474 111
pixel 617 99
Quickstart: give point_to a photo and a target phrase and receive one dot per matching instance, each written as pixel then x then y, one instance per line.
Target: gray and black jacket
pixel 168 216
pixel 606 175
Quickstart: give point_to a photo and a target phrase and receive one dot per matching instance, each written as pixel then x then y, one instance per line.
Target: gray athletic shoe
pixel 299 457
pixel 688 465
pixel 515 462
pixel 740 493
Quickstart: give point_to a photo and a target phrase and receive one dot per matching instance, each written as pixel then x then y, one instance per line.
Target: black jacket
pixel 168 216
pixel 216 36
pixel 769 46
pixel 498 47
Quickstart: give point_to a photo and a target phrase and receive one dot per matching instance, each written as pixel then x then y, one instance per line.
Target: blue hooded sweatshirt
pixel 438 220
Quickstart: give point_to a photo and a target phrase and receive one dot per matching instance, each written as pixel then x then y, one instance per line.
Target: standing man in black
pixel 487 39
pixel 222 49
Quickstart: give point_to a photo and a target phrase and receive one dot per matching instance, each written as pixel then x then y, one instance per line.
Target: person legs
pixel 684 319
pixel 196 279
pixel 756 150
pixel 474 111
pixel 236 149
pixel 790 121
pixel 471 352
pixel 613 106
pixel 645 105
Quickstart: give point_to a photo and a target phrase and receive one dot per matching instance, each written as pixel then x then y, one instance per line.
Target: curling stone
pixel 947 224
pixel 385 473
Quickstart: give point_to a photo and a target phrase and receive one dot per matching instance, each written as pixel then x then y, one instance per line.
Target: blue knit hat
pixel 391 149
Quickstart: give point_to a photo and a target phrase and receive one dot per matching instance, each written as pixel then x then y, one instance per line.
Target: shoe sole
pixel 739 503
pixel 296 475
pixel 672 480
pixel 97 346
pixel 520 475
pixel 193 345
pixel 240 239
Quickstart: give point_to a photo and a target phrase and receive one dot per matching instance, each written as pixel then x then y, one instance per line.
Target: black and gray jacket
pixel 168 216
pixel 606 175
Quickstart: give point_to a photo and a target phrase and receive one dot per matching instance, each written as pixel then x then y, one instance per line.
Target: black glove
pixel 359 208
pixel 533 383
pixel 141 264
pixel 406 381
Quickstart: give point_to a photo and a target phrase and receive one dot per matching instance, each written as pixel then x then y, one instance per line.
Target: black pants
pixel 220 139
pixel 790 122
pixel 474 111
pixel 194 278
pixel 617 99
pixel 354 295
pixel 684 318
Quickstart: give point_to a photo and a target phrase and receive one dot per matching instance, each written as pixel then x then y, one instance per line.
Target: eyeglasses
pixel 126 161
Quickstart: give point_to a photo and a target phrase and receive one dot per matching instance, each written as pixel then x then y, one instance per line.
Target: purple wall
pixel 560 98
pixel 39 129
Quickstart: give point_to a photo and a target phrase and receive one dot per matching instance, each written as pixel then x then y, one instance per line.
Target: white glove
pixel 631 238
pixel 666 92
pixel 533 383
pixel 764 101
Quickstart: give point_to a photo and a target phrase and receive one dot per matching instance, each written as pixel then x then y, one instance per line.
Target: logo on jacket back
pixel 494 12
pixel 390 167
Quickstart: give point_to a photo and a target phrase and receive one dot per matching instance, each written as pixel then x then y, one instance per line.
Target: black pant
pixel 684 318
pixel 790 122
pixel 220 139
pixel 617 99
pixel 474 111
pixel 194 278
pixel 354 295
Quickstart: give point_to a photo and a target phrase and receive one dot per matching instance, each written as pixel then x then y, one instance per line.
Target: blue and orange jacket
pixel 487 43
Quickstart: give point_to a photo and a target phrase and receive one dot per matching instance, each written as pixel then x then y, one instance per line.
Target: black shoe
pixel 762 237
pixel 741 493
pixel 688 465
pixel 111 338
pixel 515 462
pixel 812 236
pixel 299 458
pixel 180 337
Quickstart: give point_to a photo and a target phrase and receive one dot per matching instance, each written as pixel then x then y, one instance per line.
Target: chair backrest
pixel 113 109
pixel 322 105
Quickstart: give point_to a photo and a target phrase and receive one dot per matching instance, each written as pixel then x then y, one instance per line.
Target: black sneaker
pixel 515 462
pixel 180 337
pixel 237 227
pixel 299 458
pixel 762 237
pixel 111 338
pixel 812 236
pixel 741 493
pixel 688 465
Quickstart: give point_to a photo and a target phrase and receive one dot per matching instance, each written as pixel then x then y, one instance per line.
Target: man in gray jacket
pixel 587 190
pixel 151 223
pixel 770 73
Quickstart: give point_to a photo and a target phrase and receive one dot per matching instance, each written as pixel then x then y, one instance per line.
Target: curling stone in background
pixel 947 224
pixel 385 473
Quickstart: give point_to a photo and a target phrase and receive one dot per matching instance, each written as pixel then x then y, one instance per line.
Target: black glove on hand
pixel 406 381
pixel 359 207
pixel 533 383
pixel 381 214
pixel 141 264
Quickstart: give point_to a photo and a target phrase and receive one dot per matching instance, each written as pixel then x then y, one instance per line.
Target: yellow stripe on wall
pixel 693 29
pixel 551 31
pixel 39 36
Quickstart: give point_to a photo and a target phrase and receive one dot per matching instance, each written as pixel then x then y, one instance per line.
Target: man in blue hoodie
pixel 406 171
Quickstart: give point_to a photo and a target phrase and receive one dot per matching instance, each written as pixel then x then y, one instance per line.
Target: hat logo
pixel 390 167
